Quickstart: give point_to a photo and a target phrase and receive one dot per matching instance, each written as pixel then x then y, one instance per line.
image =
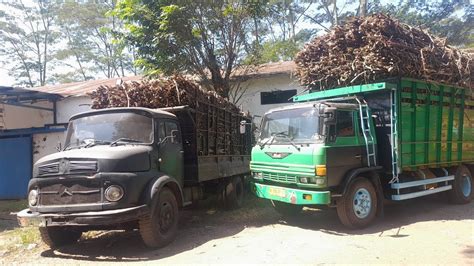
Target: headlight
pixel 114 193
pixel 258 175
pixel 33 197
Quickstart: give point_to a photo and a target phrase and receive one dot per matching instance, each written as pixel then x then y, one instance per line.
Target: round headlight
pixel 114 193
pixel 33 197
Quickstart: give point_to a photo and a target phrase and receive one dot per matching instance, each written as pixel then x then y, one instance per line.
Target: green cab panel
pixel 292 195
pixel 284 163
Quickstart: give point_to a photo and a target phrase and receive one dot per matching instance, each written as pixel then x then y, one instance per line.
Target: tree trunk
pixel 362 8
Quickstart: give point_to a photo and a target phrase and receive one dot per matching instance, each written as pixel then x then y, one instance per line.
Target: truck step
pixel 422 182
pixel 421 193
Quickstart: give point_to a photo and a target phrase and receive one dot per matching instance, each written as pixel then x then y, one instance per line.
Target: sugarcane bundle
pixel 378 47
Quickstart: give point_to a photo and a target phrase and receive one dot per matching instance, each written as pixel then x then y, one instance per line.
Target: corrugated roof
pixel 285 67
pixel 83 87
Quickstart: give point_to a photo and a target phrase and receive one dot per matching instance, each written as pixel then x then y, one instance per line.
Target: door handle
pixel 358 156
pixel 181 151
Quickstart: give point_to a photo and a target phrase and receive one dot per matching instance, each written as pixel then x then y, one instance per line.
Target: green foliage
pixel 91 41
pixel 204 38
pixel 27 34
pixel 452 19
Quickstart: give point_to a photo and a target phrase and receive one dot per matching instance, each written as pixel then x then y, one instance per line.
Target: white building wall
pixel 251 100
pixel 46 143
pixel 20 117
pixel 71 106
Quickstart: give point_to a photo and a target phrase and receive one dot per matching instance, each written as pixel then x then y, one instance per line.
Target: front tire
pixel 358 207
pixel 286 209
pixel 462 186
pixel 59 236
pixel 159 228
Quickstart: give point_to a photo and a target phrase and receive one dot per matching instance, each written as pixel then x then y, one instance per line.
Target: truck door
pixel 170 153
pixel 345 153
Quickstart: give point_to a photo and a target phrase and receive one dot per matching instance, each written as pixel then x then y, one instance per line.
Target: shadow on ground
pixel 396 215
pixel 197 226
pixel 206 223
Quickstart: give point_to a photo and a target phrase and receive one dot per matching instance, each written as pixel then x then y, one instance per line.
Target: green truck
pixel 355 147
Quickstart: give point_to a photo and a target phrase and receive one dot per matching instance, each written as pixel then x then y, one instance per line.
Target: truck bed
pixel 213 145
pixel 429 124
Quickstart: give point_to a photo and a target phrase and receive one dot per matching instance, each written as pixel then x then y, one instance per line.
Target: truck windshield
pixel 297 125
pixel 109 128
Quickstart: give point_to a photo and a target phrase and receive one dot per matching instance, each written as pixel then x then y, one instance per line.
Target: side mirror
pixel 243 128
pixel 330 116
pixel 329 124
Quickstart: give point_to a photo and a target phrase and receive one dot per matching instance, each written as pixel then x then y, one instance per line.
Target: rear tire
pixel 358 206
pixel 287 209
pixel 59 236
pixel 234 193
pixel 159 228
pixel 462 186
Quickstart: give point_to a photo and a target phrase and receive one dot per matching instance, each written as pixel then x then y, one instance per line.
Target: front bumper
pixel 93 218
pixel 291 195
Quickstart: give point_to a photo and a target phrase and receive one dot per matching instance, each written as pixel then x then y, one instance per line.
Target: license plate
pixel 279 192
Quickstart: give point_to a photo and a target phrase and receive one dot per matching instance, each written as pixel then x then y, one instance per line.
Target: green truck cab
pixel 355 147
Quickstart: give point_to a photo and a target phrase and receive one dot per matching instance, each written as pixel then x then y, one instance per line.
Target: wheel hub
pixel 166 216
pixel 362 203
pixel 466 185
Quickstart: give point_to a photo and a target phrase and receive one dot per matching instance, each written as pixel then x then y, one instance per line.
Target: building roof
pixel 11 95
pixel 269 69
pixel 83 87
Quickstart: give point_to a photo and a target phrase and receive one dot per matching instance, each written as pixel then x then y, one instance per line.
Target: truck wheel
pixel 357 208
pixel 59 236
pixel 287 209
pixel 234 193
pixel 462 186
pixel 159 228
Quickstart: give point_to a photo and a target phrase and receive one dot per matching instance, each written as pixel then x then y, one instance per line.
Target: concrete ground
pixel 420 231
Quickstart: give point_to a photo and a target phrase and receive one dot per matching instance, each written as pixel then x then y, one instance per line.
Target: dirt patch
pixel 419 231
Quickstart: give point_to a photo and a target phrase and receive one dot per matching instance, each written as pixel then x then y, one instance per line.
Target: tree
pixel 90 40
pixel 203 38
pixel 279 38
pixel 452 19
pixel 27 34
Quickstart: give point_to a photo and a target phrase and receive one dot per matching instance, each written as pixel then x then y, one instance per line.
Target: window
pixel 168 129
pixel 273 97
pixel 345 125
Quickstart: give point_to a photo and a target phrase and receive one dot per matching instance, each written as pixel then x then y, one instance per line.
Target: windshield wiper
pixel 95 142
pixel 126 140
pixel 285 135
pixel 85 145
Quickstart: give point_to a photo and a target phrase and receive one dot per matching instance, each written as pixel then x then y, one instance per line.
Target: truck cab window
pixel 345 124
pixel 171 129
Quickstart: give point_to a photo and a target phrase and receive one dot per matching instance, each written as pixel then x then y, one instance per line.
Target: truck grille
pixel 60 194
pixel 279 177
pixel 82 166
pixel 51 168
pixel 65 167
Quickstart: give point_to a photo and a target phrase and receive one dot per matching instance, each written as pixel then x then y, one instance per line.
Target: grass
pixel 8 206
pixel 19 240
pixel 15 241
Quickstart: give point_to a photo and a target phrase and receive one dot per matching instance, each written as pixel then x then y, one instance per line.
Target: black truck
pixel 135 168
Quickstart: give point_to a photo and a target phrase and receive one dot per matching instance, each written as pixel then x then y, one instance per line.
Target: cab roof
pixel 154 113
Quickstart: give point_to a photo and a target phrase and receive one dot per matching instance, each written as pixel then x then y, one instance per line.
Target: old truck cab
pixel 113 163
